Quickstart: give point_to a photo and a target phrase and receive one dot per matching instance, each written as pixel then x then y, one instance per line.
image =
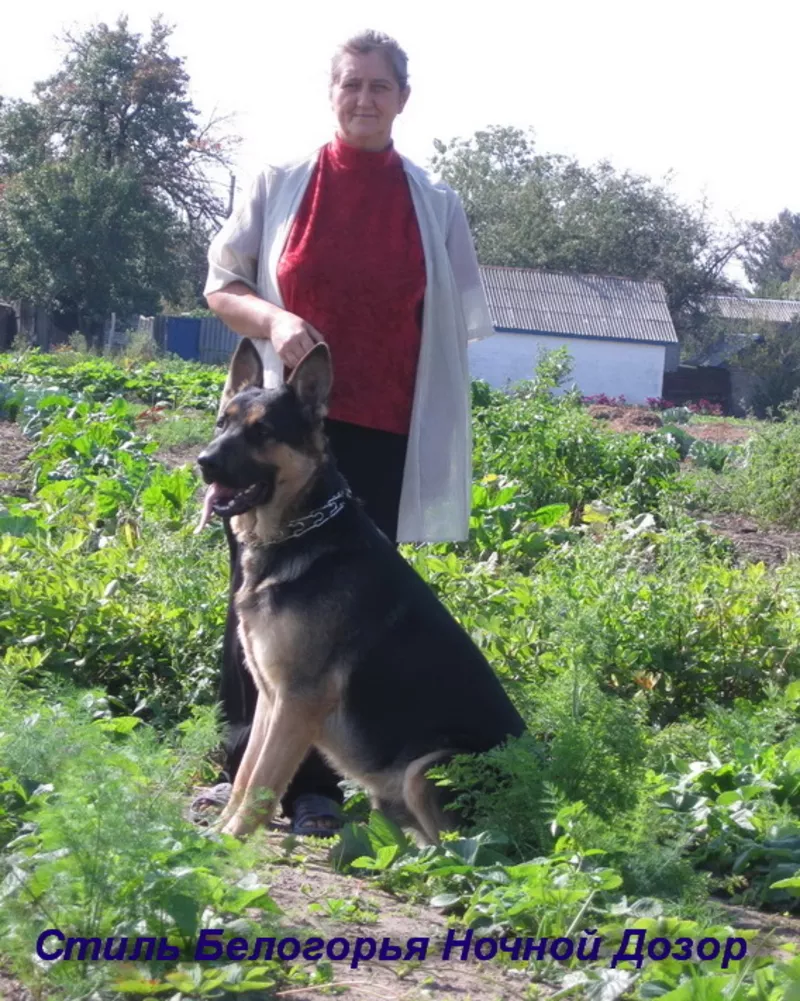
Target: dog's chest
pixel 282 643
pixel 272 639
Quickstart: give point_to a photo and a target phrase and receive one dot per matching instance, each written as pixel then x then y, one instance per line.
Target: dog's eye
pixel 221 422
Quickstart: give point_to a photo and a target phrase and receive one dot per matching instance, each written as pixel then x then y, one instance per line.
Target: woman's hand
pixel 292 337
pixel 251 316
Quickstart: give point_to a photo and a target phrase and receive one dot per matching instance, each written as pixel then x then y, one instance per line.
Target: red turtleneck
pixel 353 267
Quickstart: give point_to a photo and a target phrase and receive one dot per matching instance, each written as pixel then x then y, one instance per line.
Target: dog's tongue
pixel 214 492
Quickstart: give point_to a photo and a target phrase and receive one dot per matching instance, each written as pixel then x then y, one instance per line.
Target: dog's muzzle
pixel 227 501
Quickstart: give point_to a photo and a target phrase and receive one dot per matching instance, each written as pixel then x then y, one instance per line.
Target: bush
pixel 768 483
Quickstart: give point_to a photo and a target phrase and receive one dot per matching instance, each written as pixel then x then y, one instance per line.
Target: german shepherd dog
pixel 351 651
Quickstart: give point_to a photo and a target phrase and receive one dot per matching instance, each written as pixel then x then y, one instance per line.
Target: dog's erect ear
pixel 246 370
pixel 312 379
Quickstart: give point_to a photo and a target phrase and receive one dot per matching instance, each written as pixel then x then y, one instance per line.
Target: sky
pixel 701 90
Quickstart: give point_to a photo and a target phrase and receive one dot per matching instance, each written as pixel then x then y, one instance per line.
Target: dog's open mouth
pixel 227 501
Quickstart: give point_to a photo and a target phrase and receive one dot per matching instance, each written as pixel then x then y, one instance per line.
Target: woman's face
pixel 366 99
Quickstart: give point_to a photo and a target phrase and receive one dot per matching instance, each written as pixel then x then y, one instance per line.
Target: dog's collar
pixel 299 526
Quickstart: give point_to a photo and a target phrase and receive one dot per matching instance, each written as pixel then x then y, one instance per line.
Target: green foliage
pixel 105 850
pixel 742 815
pixel 767 482
pixel 181 384
pixel 88 579
pixel 768 261
pixel 85 240
pixel 583 745
pixel 710 455
pixel 561 456
pixel 774 360
pixel 676 415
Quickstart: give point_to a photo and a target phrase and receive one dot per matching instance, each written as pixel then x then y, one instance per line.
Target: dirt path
pixel 14 449
pixel 299 886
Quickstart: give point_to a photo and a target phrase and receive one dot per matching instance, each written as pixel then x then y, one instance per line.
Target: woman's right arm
pixel 251 316
pixel 231 291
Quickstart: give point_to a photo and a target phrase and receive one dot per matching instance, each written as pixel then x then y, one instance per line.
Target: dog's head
pixel 268 441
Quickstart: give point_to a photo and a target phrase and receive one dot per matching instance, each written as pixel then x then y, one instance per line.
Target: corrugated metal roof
pixel 578 305
pixel 735 307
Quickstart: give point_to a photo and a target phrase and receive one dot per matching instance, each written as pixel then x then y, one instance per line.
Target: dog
pixel 351 651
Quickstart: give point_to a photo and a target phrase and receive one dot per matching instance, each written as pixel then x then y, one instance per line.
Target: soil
pixel 308 878
pixel 179 455
pixel 633 419
pixel 11 989
pixel 293 888
pixel 720 432
pixel 14 450
pixel 627 418
pixel 752 543
pixel 780 927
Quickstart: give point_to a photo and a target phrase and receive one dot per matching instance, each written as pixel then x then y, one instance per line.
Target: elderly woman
pixel 356 246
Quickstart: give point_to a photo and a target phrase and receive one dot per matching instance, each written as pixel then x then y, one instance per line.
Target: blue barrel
pixel 183 337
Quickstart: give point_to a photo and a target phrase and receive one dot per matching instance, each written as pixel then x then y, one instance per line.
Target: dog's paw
pixel 238 826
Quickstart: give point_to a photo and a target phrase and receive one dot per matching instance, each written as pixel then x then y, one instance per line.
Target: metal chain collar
pixel 332 506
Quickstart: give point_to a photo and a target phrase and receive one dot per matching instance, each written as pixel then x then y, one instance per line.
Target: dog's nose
pixel 207 462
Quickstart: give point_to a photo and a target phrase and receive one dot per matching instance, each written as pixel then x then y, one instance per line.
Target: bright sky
pixel 706 89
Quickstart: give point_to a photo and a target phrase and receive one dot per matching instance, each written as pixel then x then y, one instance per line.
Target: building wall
pixel 616 368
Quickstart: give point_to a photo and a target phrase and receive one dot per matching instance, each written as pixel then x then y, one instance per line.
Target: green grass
pixel 176 429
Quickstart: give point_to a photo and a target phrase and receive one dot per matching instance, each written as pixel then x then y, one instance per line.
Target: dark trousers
pixel 372 462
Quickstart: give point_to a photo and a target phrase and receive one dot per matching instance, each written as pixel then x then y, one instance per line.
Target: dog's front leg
pixel 289 738
pixel 256 740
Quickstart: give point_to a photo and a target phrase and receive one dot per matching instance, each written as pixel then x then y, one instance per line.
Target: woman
pixel 355 245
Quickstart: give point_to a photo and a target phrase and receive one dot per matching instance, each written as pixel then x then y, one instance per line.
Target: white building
pixel 618 331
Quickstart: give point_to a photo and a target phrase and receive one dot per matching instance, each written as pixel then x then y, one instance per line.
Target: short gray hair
pixel 373 41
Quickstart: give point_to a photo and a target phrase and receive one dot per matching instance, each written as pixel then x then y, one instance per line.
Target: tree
pixel 772 259
pixel 533 210
pixel 87 241
pixel 105 195
pixel 773 361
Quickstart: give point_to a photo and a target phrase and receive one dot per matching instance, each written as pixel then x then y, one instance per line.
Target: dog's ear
pixel 246 370
pixel 312 379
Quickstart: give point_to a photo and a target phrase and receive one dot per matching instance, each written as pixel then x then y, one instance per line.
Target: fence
pixel 217 342
pixel 698 383
pixel 205 339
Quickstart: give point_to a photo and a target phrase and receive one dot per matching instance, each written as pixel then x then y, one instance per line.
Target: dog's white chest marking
pixel 276 646
pixel 282 647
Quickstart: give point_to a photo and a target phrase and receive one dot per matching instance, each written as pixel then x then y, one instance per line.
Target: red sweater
pixel 353 267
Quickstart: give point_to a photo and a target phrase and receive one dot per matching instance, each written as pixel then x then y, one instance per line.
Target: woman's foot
pixel 316 816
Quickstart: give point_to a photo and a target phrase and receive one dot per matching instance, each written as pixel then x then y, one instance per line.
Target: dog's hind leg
pixel 424 800
pixel 287 742
pixel 255 741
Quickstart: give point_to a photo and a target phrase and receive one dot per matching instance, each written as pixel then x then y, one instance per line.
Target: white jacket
pixel 436 491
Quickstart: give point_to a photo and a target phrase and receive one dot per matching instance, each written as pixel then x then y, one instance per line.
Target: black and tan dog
pixel 351 651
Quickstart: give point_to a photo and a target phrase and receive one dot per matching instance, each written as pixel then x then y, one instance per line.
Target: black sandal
pixel 309 809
